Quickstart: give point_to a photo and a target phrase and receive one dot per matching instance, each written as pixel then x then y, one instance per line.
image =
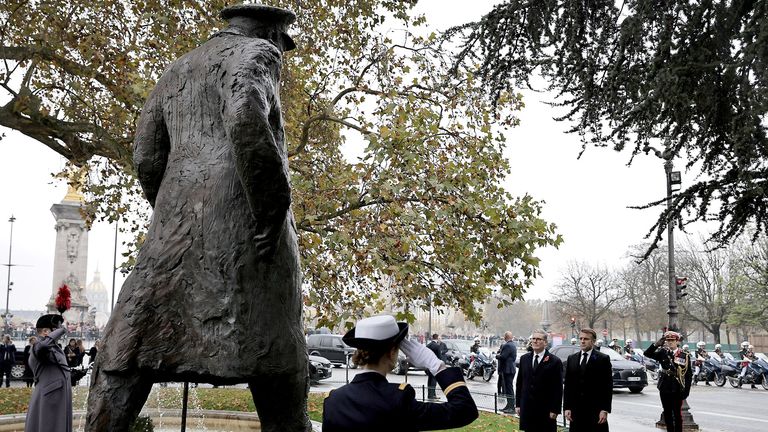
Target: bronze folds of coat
pixel 215 295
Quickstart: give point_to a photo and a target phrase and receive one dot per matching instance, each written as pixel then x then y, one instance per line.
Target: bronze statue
pixel 215 295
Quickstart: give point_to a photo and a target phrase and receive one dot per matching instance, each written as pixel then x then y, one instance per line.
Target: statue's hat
pixel 267 15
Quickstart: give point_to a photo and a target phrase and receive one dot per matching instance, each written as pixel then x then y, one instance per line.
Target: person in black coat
pixel 371 403
pixel 7 359
pixel 588 386
pixel 539 387
pixel 439 348
pixel 675 378
pixel 28 373
pixel 507 356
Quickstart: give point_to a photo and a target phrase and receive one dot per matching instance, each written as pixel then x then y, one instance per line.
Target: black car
pixel 319 369
pixel 17 371
pixel 332 348
pixel 626 373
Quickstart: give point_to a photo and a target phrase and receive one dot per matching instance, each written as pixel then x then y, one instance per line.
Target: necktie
pixel 583 361
pixel 536 361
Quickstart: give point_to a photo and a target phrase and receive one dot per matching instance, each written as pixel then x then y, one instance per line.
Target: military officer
pixel 50 407
pixel 674 377
pixel 371 403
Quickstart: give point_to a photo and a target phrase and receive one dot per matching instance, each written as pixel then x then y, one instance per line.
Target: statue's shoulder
pixel 250 49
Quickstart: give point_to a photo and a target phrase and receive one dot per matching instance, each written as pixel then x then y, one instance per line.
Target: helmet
pixel 685 347
pixel 599 342
pixel 718 346
pixel 744 344
pixel 751 346
pixel 477 340
pixel 629 341
pixel 701 344
pixel 612 344
pixel 573 340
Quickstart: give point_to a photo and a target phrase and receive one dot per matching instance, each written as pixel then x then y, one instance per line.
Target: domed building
pixel 98 298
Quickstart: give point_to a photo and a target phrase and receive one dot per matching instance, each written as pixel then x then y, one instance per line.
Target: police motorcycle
pixel 481 364
pixel 710 369
pixel 730 367
pixel 757 373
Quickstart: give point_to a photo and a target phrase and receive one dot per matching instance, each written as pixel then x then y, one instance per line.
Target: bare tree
pixel 644 285
pixel 715 282
pixel 751 310
pixel 587 292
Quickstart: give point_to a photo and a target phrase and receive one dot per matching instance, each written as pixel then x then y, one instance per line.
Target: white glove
pixel 421 356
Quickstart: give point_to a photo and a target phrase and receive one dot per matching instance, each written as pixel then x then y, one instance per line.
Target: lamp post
pixel 114 266
pixel 674 184
pixel 7 316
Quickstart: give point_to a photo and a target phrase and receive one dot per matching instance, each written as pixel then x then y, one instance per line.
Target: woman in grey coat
pixel 50 408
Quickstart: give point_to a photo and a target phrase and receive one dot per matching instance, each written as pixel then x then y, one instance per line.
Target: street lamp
pixel 7 316
pixel 674 183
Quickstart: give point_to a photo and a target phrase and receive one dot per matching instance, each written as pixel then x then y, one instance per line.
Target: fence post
pixel 495 403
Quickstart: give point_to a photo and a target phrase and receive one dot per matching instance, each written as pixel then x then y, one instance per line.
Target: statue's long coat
pixel 202 303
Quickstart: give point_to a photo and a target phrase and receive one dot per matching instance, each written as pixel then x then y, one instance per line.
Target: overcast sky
pixel 586 198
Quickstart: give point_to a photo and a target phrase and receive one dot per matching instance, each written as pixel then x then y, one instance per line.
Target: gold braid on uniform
pixel 681 371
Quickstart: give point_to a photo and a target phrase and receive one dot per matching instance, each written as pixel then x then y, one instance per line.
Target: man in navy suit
pixel 539 387
pixel 588 386
pixel 507 355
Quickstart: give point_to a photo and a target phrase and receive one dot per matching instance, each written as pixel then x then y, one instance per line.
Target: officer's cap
pixel 50 321
pixel 672 335
pixel 378 332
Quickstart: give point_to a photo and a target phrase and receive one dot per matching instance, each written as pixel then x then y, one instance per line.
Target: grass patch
pixel 15 400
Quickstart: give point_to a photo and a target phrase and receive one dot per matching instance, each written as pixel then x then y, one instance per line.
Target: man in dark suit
pixel 7 359
pixel 507 355
pixel 588 386
pixel 539 387
pixel 439 348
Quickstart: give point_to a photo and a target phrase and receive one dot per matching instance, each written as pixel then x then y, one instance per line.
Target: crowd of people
pixel 74 352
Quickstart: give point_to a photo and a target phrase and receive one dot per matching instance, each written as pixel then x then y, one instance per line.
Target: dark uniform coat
pixel 370 403
pixel 215 295
pixel 674 378
pixel 50 408
pixel 539 392
pixel 588 391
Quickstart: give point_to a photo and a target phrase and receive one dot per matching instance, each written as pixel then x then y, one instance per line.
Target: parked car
pixel 626 373
pixel 319 369
pixel 332 348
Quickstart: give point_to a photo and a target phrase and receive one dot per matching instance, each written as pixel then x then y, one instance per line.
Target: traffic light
pixel 681 284
pixel 573 322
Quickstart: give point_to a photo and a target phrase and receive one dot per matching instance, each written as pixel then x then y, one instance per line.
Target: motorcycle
pixel 757 373
pixel 710 369
pixel 480 364
pixel 730 367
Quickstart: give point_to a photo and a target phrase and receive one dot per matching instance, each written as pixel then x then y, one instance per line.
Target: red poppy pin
pixel 546 359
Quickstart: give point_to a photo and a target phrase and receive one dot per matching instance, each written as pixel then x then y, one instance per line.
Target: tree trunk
pixel 716 332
